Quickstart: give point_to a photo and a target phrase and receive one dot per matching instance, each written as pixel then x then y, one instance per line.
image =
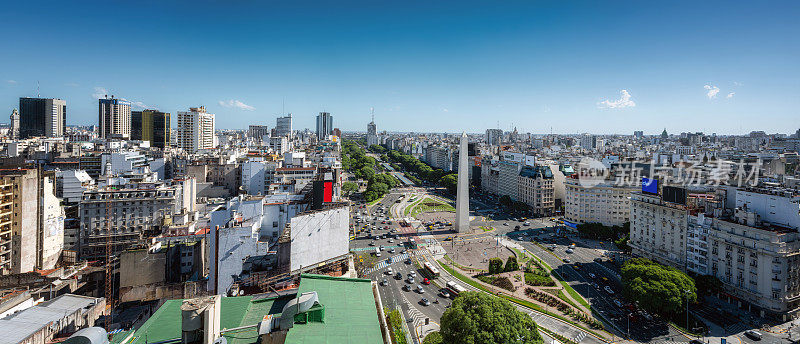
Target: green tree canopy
pixel 433 338
pixel 495 266
pixel 365 173
pixel 349 187
pixel 657 288
pixel 511 264
pixel 450 182
pixel 477 318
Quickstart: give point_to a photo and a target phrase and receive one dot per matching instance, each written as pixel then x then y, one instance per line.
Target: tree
pixel 657 288
pixel 707 285
pixel 495 266
pixel 505 200
pixel 511 264
pixel 477 318
pixel 433 338
pixel 349 187
pixel 450 182
pixel 365 173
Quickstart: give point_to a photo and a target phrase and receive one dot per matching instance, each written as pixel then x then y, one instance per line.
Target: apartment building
pixel 152 126
pixel 535 185
pixel 195 129
pixel 604 203
pixel 130 214
pixel 31 221
pixel 746 237
pixel 658 229
pixel 114 118
pixel 283 126
pixel 41 117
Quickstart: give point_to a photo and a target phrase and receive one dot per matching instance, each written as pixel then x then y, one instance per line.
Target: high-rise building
pixel 283 126
pixel 32 222
pixel 324 125
pixel 372 133
pixel 42 117
pixel 114 118
pixel 494 137
pixel 638 134
pixel 258 132
pixel 153 126
pixel 14 130
pixel 195 129
pixel 588 142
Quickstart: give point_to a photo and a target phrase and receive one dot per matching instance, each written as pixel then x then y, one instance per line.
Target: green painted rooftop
pixel 351 316
pixel 350 312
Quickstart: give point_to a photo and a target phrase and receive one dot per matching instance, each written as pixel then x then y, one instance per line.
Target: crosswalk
pixel 384 263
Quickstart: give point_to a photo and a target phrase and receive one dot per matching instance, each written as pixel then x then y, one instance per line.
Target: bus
pixel 432 270
pixel 455 289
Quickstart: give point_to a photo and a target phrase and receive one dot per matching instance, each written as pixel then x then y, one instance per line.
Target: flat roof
pixel 350 312
pixel 237 311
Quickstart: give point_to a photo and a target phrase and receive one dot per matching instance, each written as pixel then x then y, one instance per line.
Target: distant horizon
pixel 579 66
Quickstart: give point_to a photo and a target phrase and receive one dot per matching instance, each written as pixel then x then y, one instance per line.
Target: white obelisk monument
pixel 462 192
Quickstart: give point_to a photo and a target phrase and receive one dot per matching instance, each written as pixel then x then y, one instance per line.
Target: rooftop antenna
pixel 283 106
pixel 38 95
pixel 372 113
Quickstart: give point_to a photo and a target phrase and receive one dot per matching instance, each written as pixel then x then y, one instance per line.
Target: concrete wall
pixel 23 254
pixel 319 236
pixel 138 268
pixel 53 228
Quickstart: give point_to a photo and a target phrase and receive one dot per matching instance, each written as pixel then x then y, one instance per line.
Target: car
pixel 391 241
pixel 569 250
pixel 598 260
pixel 380 248
pixel 412 274
pixel 391 250
pixel 596 286
pixel 410 280
pixel 444 293
pixel 608 290
pixel 753 334
pixel 527 223
pixel 505 224
pixel 517 227
pixel 591 275
pixel 420 290
pixel 384 282
pixel 399 275
pixel 552 247
pixel 389 271
pixel 696 341
pixel 408 261
pixel 372 243
pixel 618 303
pixel 425 302
pixel 426 281
pixel 566 260
pixel 406 287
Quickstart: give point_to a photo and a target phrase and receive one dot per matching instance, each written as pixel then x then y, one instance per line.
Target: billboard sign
pixel 650 186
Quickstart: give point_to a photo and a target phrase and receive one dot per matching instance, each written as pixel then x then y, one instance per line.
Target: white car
pixel 609 290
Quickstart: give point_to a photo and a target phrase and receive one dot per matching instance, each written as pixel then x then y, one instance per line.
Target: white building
pixel 283 126
pixel 603 203
pixel 195 129
pixel 70 185
pixel 324 125
pixel 372 134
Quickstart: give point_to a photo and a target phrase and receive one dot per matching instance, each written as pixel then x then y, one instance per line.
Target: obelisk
pixel 462 192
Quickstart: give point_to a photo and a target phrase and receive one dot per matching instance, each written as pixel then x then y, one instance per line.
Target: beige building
pixel 31 237
pixel 114 118
pixel 535 188
pixel 658 229
pixel 195 129
pixel 603 203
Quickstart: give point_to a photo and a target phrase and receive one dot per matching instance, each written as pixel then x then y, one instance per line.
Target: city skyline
pixel 695 67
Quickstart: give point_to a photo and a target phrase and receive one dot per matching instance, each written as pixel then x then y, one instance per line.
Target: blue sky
pixel 573 66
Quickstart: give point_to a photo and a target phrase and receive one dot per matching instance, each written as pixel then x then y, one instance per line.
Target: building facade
pixel 324 125
pixel 535 188
pixel 152 126
pixel 42 117
pixel 114 118
pixel 195 129
pixel 604 203
pixel 283 126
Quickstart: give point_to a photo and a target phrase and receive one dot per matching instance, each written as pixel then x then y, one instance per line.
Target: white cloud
pixel 736 83
pixel 623 101
pixel 730 95
pixel 233 103
pixel 71 84
pixel 712 91
pixel 11 82
pixel 99 92
pixel 136 104
pixel 445 110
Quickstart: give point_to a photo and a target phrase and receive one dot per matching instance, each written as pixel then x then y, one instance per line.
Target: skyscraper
pixel 42 117
pixel 372 133
pixel 114 118
pixel 14 130
pixel 494 137
pixel 324 125
pixel 153 126
pixel 195 129
pixel 462 192
pixel 283 126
